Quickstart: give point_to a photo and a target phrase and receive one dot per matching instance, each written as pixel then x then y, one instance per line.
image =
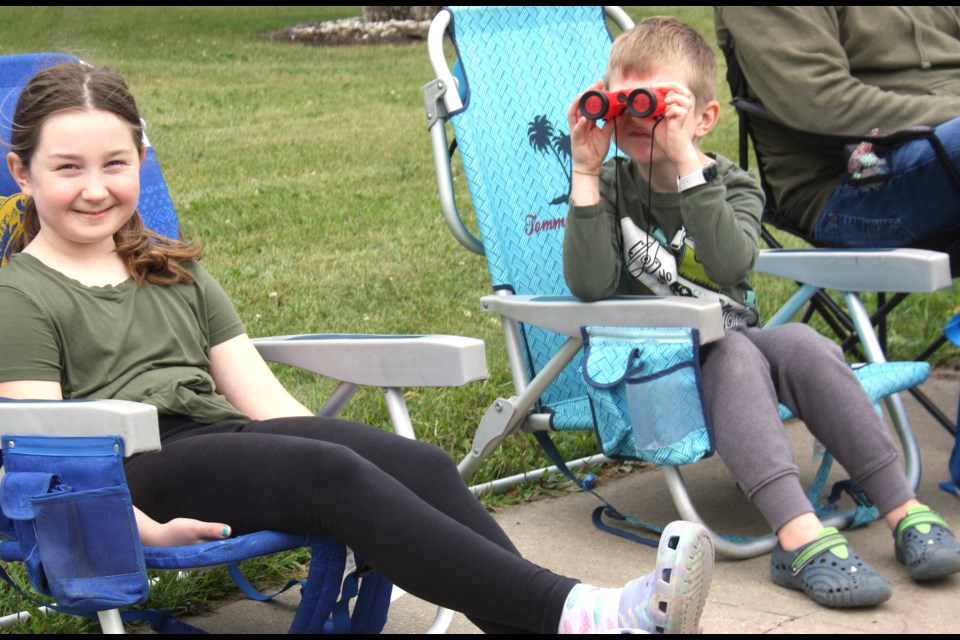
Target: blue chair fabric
pixel 514 146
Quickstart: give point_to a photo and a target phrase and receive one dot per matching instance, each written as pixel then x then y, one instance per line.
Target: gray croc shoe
pixel 671 599
pixel 924 543
pixel 830 573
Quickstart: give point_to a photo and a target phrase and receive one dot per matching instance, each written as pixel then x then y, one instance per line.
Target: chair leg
pixel 442 621
pixel 502 485
pixel 399 415
pixel 945 421
pixel 110 621
pixel 898 414
pixel 727 546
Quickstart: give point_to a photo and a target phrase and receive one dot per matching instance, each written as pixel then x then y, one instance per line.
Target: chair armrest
pixel 135 422
pixel 754 108
pixel 382 360
pixel 891 270
pixel 566 314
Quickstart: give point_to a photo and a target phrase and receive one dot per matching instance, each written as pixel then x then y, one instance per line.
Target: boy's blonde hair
pixel 660 41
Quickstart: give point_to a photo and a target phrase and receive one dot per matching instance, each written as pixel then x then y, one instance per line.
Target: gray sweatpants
pixel 748 373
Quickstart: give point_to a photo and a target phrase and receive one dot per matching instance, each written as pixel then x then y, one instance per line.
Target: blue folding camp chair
pixel 505 94
pixel 91 572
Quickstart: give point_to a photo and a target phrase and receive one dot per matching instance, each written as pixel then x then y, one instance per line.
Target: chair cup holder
pixel 90 548
pixel 665 410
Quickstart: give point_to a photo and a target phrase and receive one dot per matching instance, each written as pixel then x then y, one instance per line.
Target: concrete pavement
pixel 557 533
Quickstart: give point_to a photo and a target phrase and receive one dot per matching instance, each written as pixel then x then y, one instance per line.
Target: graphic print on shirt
pixel 673 269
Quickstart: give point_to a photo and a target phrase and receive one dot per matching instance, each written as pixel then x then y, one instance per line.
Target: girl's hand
pixel 589 142
pixel 178 532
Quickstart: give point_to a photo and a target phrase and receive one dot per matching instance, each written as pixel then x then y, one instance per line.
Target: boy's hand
pixel 675 135
pixel 589 142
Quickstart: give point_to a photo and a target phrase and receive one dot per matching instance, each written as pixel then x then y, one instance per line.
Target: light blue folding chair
pixel 504 88
pixel 39 457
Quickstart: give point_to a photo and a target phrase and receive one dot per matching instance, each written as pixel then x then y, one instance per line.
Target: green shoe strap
pixel 919 518
pixel 815 548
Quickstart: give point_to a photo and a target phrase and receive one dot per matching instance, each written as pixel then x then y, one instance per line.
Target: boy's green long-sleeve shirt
pixel 722 217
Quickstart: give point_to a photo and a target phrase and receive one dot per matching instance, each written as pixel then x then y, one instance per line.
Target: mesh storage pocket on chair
pixel 80 569
pixel 645 386
pixel 74 520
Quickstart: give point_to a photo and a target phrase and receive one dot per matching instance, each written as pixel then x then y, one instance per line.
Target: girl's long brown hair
pixel 79 87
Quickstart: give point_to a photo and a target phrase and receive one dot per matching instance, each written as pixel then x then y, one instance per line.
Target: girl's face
pixel 84 178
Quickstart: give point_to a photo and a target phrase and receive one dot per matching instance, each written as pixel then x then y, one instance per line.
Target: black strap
pixel 598 522
pixel 853 490
pixel 945 160
pixel 587 485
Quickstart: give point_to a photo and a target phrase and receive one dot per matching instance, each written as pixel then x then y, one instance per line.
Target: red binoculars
pixel 641 103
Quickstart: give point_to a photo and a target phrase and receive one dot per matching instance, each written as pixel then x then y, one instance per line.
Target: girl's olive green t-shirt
pixel 147 343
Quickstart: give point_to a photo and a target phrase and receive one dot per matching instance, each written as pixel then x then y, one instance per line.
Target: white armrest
pixel 382 361
pixel 135 422
pixel 567 314
pixel 891 270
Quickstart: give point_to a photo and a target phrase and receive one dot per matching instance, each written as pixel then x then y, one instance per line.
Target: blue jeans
pixel 919 201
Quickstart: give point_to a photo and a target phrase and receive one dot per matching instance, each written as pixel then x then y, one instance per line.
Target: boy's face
pixel 632 134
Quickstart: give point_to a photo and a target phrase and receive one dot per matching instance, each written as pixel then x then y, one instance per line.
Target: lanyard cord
pixel 648 218
pixel 649 174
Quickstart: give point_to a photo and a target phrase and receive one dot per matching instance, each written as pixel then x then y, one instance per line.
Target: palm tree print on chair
pixel 543 138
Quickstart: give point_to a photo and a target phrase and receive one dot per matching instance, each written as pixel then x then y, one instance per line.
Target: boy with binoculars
pixel 669 219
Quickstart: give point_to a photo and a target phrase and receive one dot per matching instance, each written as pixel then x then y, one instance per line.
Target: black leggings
pixel 399 503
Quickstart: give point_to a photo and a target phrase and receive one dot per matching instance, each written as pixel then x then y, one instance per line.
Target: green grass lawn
pixel 307 174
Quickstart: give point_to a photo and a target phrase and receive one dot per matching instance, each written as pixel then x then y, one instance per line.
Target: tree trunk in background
pixel 384 14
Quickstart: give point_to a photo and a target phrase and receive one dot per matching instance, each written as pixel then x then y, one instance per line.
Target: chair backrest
pixel 749 110
pixel 155 205
pixel 521 68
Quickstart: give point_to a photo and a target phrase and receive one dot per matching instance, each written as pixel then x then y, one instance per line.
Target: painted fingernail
pixel 226 532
